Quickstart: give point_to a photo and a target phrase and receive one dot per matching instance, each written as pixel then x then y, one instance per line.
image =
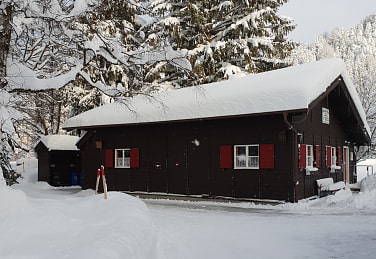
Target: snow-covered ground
pixel 40 221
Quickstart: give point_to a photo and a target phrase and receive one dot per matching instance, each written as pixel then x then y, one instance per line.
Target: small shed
pixel 58 160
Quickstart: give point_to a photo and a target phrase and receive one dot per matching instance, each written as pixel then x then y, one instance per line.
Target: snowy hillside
pixel 40 221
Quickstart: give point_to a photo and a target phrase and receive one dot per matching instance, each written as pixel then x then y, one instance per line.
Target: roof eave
pixel 90 127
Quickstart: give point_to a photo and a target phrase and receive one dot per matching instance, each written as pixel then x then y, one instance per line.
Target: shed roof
pixel 287 89
pixel 59 142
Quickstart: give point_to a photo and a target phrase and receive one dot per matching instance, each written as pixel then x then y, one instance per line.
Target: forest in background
pixel 59 58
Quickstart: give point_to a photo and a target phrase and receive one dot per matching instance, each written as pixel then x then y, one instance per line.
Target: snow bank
pixel 80 226
pixel 11 201
pixel 341 200
pixel 368 184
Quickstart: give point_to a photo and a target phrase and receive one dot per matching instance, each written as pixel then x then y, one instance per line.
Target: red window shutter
pixel 225 156
pixel 302 156
pixel 328 156
pixel 109 158
pixel 135 158
pixel 267 156
pixel 317 156
pixel 339 157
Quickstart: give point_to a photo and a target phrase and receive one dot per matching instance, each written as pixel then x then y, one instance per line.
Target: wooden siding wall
pixel 91 161
pixel 43 165
pixel 317 133
pixel 183 158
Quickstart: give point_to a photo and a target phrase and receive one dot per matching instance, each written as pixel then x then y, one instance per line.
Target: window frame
pixel 126 160
pixel 247 157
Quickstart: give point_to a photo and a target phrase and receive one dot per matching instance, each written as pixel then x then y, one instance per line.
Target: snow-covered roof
pixel 287 89
pixel 59 142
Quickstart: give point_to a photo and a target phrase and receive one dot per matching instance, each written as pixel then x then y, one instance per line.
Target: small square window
pixel 246 156
pixel 122 158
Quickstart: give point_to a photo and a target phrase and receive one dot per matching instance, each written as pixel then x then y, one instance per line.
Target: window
pixel 325 116
pixel 246 156
pixel 122 158
pixel 309 155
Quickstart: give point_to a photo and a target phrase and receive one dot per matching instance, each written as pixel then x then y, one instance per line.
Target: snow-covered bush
pixel 368 184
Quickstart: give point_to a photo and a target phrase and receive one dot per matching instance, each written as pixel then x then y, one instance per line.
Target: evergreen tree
pixel 227 37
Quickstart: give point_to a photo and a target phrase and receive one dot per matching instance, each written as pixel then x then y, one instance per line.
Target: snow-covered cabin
pixel 58 160
pixel 262 136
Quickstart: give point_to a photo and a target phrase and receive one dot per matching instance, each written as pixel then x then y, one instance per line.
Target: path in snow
pixel 192 232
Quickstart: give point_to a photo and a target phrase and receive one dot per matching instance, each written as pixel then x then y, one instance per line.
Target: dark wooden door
pixel 309 186
pixel 158 165
pixel 177 164
pixel 91 159
pixel 198 165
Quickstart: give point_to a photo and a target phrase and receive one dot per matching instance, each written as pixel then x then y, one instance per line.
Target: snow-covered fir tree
pixel 357 47
pixel 227 37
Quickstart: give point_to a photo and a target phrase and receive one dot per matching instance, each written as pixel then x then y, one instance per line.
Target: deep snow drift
pixel 71 224
pixel 40 221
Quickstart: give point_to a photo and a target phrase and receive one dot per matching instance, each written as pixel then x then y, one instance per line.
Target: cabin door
pixel 177 164
pixel 198 165
pixel 346 166
pixel 158 165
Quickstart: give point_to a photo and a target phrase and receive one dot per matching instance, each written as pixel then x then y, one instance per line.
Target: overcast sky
pixel 315 17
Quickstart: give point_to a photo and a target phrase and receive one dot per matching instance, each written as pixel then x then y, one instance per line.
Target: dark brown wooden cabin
pixel 274 155
pixel 58 160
